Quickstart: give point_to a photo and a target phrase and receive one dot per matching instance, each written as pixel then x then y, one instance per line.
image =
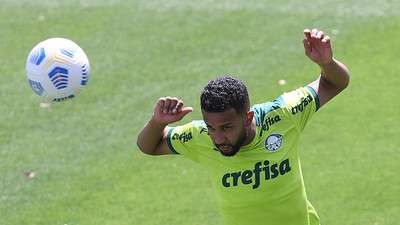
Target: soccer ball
pixel 57 69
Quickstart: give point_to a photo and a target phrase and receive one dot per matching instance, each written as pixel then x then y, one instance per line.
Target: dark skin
pixel 229 130
pixel 333 79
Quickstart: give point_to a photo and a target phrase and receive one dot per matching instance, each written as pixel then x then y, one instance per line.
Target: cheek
pixel 234 135
pixel 212 136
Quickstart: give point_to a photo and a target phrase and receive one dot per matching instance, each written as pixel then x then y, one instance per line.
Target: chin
pixel 230 153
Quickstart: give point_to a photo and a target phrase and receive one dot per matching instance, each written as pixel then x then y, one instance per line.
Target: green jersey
pixel 262 183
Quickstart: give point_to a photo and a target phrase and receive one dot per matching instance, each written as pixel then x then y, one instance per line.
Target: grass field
pixel 83 152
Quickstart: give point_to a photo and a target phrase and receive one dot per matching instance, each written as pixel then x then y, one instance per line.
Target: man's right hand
pixel 168 110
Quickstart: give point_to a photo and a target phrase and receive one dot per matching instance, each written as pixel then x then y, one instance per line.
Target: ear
pixel 249 117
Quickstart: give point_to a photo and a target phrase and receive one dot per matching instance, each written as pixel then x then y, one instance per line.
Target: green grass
pixel 89 170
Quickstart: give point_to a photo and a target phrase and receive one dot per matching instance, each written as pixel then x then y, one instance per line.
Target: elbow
pixel 340 78
pixel 343 85
pixel 342 82
pixel 144 150
pixel 346 80
pixel 346 77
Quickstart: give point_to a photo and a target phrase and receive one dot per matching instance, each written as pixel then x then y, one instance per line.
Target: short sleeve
pixel 300 105
pixel 185 140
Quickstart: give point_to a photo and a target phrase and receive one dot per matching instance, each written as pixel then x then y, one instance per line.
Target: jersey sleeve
pixel 184 140
pixel 300 105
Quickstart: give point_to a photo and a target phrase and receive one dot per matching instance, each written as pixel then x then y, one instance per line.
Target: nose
pixel 219 138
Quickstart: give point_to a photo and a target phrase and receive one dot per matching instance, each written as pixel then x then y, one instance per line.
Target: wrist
pixel 155 123
pixel 327 63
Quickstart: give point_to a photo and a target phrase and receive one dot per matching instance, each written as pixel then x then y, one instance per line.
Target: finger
pixel 307 46
pixel 314 33
pixel 166 104
pixel 174 101
pixel 178 107
pixel 320 35
pixel 185 111
pixel 160 104
pixel 307 34
pixel 326 40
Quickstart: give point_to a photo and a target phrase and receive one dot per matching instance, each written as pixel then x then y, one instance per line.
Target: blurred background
pixel 77 163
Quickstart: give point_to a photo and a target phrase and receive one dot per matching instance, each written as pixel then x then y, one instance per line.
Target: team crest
pixel 274 142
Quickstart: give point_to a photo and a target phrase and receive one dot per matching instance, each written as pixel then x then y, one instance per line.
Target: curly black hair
pixel 223 93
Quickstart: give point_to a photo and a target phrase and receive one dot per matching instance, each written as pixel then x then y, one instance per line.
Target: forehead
pixel 221 118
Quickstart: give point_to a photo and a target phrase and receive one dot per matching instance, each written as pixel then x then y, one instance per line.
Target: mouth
pixel 225 148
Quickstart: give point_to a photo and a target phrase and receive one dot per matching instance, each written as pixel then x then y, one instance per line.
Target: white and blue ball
pixel 57 69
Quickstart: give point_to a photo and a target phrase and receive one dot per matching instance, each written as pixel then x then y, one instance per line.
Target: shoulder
pixel 297 99
pixel 293 101
pixel 188 131
pixel 196 126
pixel 190 139
pixel 263 109
pixel 299 103
pixel 199 126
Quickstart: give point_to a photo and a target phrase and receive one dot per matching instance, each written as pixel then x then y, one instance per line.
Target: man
pixel 251 154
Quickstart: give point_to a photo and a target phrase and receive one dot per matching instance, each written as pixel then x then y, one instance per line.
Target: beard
pixel 234 148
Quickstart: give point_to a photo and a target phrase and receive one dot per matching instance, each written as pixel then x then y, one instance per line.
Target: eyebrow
pixel 223 125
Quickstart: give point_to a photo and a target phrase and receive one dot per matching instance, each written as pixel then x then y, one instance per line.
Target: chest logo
pixel 274 142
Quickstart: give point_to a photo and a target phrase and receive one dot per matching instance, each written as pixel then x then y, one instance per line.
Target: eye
pixel 210 129
pixel 227 128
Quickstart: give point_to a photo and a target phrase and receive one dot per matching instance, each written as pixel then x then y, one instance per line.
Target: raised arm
pixel 334 74
pixel 152 138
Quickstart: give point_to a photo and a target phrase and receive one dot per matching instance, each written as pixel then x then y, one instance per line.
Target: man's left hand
pixel 317 47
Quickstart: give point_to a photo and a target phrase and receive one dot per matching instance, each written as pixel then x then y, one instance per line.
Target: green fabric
pixel 262 183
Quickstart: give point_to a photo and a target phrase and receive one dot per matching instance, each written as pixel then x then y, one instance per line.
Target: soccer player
pixel 251 153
